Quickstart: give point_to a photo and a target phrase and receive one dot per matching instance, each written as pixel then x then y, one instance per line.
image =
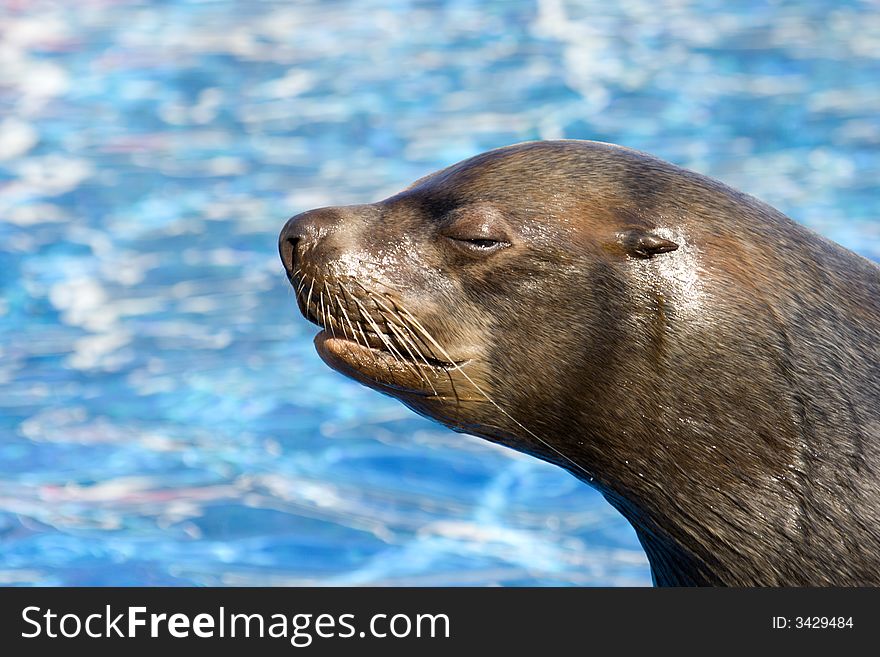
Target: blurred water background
pixel 164 419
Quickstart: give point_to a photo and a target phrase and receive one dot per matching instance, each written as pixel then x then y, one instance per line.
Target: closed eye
pixel 478 230
pixel 478 245
pixel 483 244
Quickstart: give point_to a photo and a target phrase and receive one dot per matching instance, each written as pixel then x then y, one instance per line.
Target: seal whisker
pixel 294 283
pixel 423 330
pixel 497 406
pixel 403 341
pixel 342 307
pixel 330 319
pixel 309 297
pixel 400 333
pixel 353 337
pixel 365 313
pixel 323 311
pixel 363 333
pixel 396 311
pixel 384 338
pixel 300 289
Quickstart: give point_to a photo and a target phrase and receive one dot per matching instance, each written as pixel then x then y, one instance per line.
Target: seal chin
pixel 382 370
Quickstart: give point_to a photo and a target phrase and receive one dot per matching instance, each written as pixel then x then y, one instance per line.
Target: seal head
pixel 709 365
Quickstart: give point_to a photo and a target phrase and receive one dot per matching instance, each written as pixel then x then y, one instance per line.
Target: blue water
pixel 163 416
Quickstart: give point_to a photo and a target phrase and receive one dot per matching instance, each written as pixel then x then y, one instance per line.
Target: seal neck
pixel 673 559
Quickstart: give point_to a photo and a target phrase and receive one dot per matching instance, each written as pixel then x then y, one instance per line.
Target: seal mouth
pixel 343 346
pixel 371 338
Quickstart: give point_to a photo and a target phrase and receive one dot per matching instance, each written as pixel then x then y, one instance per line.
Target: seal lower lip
pixel 383 370
pixel 356 354
pixel 377 348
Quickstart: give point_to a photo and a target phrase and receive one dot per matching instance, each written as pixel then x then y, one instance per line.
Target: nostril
pixel 304 232
pixel 288 254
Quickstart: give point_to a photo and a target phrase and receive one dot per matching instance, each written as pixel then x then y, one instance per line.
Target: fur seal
pixel 712 367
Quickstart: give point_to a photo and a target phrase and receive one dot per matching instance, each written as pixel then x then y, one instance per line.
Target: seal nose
pixel 303 231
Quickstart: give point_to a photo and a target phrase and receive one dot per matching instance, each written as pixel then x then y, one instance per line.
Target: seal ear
pixel 641 243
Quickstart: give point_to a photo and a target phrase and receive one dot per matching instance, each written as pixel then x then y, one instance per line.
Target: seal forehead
pixel 479 214
pixel 586 184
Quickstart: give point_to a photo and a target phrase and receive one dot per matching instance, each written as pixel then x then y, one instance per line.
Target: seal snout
pixel 304 232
